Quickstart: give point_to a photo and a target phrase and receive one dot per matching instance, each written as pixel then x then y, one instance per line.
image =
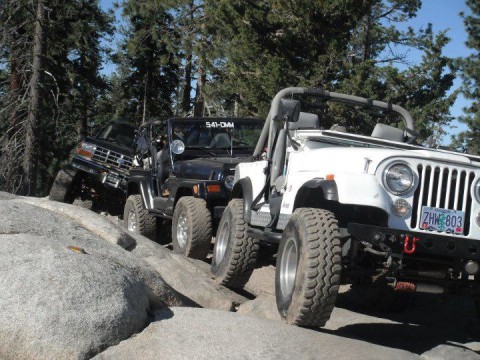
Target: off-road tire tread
pixel 198 245
pixel 146 222
pixel 245 249
pixel 61 188
pixel 323 269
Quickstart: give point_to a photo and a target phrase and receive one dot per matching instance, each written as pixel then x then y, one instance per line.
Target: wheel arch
pixel 324 194
pixel 243 190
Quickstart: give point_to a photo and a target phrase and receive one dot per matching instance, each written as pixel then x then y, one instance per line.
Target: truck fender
pixel 141 185
pixel 243 189
pixel 327 188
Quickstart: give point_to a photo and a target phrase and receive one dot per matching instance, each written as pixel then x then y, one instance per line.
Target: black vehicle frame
pixel 183 178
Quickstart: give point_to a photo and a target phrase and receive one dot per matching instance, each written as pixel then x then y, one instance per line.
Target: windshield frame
pixel 217 126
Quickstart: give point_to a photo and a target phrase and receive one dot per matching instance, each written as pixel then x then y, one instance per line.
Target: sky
pixel 443 14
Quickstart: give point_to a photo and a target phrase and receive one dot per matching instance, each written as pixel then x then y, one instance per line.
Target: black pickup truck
pixel 96 176
pixel 182 178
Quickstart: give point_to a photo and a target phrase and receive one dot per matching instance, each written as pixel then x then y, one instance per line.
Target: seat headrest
pixel 305 121
pixel 387 132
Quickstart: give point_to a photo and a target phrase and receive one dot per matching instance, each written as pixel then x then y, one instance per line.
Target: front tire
pixel 234 253
pixel 192 228
pixel 308 269
pixel 62 188
pixel 137 219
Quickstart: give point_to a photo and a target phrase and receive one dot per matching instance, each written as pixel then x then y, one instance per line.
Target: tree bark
pixel 186 100
pixel 188 85
pixel 28 164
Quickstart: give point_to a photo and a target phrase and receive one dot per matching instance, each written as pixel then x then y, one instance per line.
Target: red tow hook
pixel 410 244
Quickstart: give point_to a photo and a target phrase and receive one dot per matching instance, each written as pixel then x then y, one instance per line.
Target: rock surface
pixel 187 333
pixel 189 277
pixel 64 291
pixel 74 284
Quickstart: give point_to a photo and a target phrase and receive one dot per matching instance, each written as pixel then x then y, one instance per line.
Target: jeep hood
pixel 207 168
pixel 358 159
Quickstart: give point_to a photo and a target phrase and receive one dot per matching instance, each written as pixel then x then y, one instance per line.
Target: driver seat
pixel 220 140
pixel 162 163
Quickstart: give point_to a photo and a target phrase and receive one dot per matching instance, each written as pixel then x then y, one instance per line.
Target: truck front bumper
pixel 99 173
pixel 425 243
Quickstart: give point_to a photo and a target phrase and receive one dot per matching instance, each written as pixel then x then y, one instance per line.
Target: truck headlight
pixel 398 178
pixel 228 181
pixel 86 150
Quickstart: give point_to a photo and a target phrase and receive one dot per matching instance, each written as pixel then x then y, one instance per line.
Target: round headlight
pixel 228 182
pixel 398 178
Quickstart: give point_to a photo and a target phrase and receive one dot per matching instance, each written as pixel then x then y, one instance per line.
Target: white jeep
pixel 376 211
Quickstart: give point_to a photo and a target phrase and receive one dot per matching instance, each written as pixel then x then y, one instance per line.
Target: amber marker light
pixel 330 177
pixel 213 188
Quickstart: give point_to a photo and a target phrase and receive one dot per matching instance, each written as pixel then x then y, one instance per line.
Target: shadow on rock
pixel 412 338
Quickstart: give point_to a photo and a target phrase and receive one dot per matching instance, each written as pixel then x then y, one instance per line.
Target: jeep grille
pixel 445 187
pixel 112 159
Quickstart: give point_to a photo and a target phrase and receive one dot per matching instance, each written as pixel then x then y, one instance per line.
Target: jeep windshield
pixel 215 136
pixel 118 133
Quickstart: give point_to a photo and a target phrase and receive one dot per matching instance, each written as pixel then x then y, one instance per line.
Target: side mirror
pixel 177 147
pixel 289 110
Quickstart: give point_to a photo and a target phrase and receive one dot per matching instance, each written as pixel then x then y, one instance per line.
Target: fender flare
pixel 328 188
pixel 244 187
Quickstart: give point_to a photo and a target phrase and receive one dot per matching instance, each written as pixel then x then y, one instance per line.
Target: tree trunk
pixel 186 100
pixel 28 164
pixel 188 85
pixel 199 96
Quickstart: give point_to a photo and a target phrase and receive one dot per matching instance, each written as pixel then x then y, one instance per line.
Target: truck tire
pixel 62 188
pixel 192 228
pixel 234 253
pixel 308 269
pixel 137 219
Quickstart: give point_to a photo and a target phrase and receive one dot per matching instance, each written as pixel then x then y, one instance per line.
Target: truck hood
pixel 361 160
pixel 207 168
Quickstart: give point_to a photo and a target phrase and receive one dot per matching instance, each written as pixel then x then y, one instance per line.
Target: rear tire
pixel 62 188
pixel 307 274
pixel 192 228
pixel 234 253
pixel 137 219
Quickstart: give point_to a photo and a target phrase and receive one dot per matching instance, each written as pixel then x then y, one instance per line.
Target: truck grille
pixel 112 159
pixel 445 187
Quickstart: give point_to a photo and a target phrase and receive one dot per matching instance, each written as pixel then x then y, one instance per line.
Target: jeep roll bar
pixel 270 127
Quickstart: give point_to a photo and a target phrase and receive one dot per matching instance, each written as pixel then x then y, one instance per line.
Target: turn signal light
pixel 330 177
pixel 213 188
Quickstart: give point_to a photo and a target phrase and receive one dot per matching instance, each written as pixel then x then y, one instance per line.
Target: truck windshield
pixel 234 134
pixel 118 133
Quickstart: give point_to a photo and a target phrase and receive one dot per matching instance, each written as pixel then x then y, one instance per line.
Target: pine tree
pixel 376 54
pixel 469 140
pixel 150 77
pixel 52 87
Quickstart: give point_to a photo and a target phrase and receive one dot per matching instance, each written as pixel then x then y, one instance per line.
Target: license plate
pixel 442 220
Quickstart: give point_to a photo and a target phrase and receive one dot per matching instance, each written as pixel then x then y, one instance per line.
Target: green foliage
pixel 147 80
pixel 469 140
